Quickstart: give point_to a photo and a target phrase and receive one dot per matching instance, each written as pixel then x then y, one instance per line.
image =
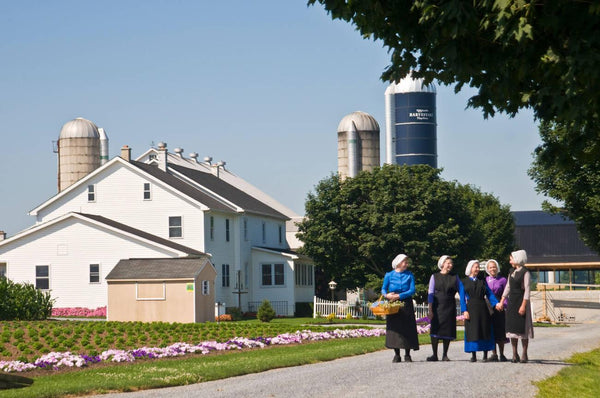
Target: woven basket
pixel 385 310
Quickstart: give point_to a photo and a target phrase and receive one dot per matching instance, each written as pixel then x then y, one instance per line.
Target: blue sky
pixel 259 84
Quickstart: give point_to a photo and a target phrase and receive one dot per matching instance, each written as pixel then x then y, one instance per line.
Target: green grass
pixel 164 373
pixel 581 379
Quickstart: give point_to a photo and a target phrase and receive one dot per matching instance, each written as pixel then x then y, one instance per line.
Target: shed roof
pixel 159 268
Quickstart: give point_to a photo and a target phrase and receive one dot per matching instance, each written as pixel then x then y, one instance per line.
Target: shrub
pixel 331 317
pixel 265 312
pixel 304 309
pixel 236 314
pixel 22 301
pixel 223 318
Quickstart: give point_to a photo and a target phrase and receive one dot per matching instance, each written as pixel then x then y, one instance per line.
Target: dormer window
pixel 91 193
pixel 147 192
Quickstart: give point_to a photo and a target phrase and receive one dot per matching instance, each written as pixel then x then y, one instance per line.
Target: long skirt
pixel 401 328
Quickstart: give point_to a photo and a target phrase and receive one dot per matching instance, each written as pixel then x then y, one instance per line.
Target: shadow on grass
pixel 11 381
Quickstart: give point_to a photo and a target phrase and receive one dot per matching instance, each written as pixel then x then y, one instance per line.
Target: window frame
pixel 94 274
pixel 227 232
pixel 42 277
pixel 147 191
pixel 212 228
pixel 273 274
pixel 91 193
pixel 175 227
pixel 225 275
pixel 205 288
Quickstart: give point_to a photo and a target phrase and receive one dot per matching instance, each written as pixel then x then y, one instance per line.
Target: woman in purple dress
pixel 497 283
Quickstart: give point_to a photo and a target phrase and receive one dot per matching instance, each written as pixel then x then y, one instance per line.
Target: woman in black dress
pixel 443 287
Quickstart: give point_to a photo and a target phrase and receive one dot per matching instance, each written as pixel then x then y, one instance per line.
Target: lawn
pixel 581 379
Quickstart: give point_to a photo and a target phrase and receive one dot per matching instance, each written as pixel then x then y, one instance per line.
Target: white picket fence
pixel 342 308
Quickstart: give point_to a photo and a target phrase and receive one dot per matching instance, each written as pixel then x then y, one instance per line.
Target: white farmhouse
pixel 159 206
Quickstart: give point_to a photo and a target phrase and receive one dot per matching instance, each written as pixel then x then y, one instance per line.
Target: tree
pixel 265 313
pixel 567 168
pixel 354 228
pixel 518 54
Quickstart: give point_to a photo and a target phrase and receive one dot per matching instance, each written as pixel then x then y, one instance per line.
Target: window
pixel 245 229
pixel 264 232
pixel 175 229
pixel 205 288
pixel 2 270
pixel 227 230
pixel 91 193
pixel 42 277
pixel 152 156
pixel 304 275
pixel 94 273
pixel 280 234
pixel 272 275
pixel 147 193
pixel 225 275
pixel 212 228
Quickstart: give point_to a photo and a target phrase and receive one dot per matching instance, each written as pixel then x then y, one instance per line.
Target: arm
pixel 502 302
pixel 411 288
pixel 526 293
pixel 386 284
pixel 430 293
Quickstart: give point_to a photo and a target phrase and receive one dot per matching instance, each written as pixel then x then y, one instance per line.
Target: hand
pixel 466 315
pixel 499 307
pixel 522 310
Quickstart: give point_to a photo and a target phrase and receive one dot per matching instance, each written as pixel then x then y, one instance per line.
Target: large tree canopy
pixel 542 55
pixel 354 228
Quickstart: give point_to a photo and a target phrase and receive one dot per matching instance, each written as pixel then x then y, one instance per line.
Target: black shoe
pixel 407 358
pixel 432 358
pixel 503 358
pixel 473 359
pixel 516 359
pixel 493 358
pixel 445 358
pixel 396 359
pixel 485 359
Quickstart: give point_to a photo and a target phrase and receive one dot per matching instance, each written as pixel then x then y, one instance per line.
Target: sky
pixel 261 85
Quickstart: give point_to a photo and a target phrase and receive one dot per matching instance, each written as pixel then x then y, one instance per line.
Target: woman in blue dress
pixel 401 328
pixel 479 334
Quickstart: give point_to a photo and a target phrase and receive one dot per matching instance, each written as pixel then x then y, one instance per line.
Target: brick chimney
pixel 126 153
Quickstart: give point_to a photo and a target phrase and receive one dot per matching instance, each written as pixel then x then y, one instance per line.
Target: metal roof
pixel 539 217
pixel 159 268
pixel 183 187
pixel 228 191
pixel 362 122
pixel 79 128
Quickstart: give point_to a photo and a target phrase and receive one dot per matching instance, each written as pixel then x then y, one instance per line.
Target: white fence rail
pixel 341 309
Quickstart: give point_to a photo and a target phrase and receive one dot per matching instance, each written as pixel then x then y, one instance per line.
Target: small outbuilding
pixel 162 290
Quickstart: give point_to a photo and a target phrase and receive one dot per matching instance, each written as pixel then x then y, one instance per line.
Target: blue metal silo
pixel 411 127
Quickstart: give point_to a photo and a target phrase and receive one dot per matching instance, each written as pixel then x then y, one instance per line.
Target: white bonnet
pixel 398 259
pixel 441 261
pixel 519 257
pixel 470 265
pixel 489 262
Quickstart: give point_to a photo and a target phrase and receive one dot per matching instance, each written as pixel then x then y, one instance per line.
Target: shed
pixel 162 289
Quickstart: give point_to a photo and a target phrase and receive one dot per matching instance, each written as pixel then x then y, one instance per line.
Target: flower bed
pixel 80 312
pixel 58 360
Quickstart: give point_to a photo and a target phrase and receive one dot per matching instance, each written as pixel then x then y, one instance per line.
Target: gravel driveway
pixel 375 375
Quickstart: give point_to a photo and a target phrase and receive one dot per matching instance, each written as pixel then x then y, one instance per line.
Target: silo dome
pixel 358 144
pixel 79 128
pixel 410 85
pixel 362 122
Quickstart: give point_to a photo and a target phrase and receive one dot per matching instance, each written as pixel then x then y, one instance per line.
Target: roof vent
pixel 179 151
pixel 193 155
pixel 208 159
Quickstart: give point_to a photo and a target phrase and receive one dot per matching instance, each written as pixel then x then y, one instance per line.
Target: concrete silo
pixel 411 126
pixel 78 151
pixel 358 144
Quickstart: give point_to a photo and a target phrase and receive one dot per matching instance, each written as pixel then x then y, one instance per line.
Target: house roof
pixel 183 187
pixel 551 239
pixel 142 234
pixel 285 252
pixel 228 191
pixel 539 217
pixel 159 268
